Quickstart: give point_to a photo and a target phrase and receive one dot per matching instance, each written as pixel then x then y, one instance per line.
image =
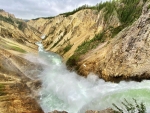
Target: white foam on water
pixel 65 90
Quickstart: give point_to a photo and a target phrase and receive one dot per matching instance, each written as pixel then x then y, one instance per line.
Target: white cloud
pixel 28 9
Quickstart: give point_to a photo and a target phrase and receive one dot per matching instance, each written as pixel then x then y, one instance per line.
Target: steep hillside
pixel 16 39
pixel 108 39
pixel 15 94
pixel 16 31
pixel 6 14
pixel 124 57
pixel 65 33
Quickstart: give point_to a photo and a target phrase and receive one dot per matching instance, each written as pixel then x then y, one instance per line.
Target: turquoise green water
pixel 65 90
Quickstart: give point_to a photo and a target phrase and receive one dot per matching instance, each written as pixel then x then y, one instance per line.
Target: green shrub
pixel 131 108
pixel 1 90
pixel 127 11
pixel 72 61
pixel 84 48
pixel 21 25
pixel 1 86
pixel 148 6
pixel 116 30
pixel 109 9
pixel 130 11
pixel 99 6
pixel 67 48
pixel 15 48
pixel 90 44
pixel 5 19
pixel 76 10
pixel 43 18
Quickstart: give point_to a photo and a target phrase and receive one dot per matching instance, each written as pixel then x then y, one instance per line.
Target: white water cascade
pixel 63 90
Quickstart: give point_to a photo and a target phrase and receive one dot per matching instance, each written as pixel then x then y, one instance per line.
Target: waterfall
pixel 63 90
pixel 43 37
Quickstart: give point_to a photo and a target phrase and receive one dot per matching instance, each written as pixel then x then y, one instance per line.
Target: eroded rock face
pixel 15 98
pixel 124 57
pixel 6 14
pixel 15 95
pixel 69 32
pixel 58 111
pixel 16 72
pixel 17 30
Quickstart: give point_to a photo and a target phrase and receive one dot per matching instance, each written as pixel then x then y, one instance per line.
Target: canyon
pixel 90 42
pixel 120 53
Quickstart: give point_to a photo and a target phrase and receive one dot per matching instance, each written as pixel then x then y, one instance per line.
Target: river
pixel 63 90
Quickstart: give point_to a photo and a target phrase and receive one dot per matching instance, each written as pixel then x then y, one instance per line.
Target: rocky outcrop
pixel 16 73
pixel 15 95
pixel 91 111
pixel 58 111
pixel 6 14
pixel 17 30
pixel 124 57
pixel 103 111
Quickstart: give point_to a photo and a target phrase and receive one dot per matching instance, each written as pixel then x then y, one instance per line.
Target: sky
pixel 29 9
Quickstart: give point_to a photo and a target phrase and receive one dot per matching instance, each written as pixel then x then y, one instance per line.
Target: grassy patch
pixel 43 18
pixel 72 61
pixel 21 25
pixel 5 19
pixel 148 6
pixel 11 46
pixel 84 48
pixel 15 48
pixel 90 44
pixel 76 10
pixel 116 30
pixel 1 90
pixel 67 48
pixel 109 9
pixel 129 12
pixel 1 86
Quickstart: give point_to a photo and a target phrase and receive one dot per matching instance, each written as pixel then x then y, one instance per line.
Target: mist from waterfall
pixel 63 90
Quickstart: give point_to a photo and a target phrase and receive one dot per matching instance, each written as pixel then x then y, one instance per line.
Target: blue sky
pixel 28 9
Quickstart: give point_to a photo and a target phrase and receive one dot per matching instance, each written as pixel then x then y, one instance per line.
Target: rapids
pixel 63 90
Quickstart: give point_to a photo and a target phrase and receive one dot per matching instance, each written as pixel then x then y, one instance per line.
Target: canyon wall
pixel 112 42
